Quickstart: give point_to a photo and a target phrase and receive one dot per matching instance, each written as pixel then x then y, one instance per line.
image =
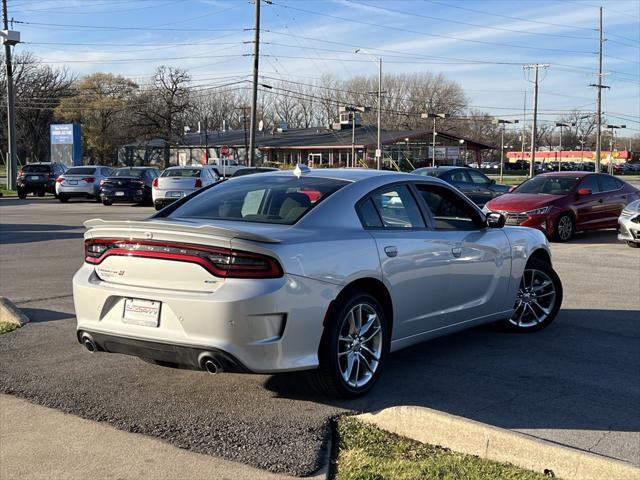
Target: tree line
pixel 114 110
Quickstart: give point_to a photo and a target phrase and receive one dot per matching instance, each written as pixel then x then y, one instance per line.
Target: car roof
pixel 349 174
pixel 176 167
pixel 565 174
pixel 137 168
pixel 442 168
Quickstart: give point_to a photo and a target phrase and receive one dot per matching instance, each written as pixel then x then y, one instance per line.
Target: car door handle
pixel 391 251
pixel 456 251
pixel 600 200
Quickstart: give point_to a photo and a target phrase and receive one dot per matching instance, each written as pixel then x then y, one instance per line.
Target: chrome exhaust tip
pixel 211 365
pixel 89 344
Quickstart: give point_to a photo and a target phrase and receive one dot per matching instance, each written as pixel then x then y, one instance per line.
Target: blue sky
pixel 480 44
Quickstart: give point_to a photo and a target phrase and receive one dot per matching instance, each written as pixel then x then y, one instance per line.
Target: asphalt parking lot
pixel 575 383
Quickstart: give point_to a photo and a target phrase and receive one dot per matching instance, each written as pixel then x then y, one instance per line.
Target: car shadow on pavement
pixel 37 315
pixel 580 373
pixel 11 233
pixel 596 237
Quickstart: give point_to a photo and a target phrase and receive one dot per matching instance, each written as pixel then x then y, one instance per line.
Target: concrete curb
pixel 9 313
pixel 474 438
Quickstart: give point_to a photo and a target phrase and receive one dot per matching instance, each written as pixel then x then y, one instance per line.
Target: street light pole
pixel 433 143
pixel 379 62
pixel 10 38
pixel 612 144
pixel 561 125
pixel 502 122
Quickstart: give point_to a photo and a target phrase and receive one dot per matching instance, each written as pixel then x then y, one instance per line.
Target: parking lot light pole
pixel 435 116
pixel 612 144
pixel 503 122
pixel 379 62
pixel 561 125
pixel 352 116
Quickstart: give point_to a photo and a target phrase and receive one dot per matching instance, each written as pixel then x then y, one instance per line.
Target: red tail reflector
pixel 221 262
pixel 198 183
pixel 155 182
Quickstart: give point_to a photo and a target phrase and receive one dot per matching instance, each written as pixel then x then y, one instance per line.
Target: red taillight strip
pixel 234 271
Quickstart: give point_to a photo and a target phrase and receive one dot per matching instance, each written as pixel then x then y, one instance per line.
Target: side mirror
pixel 492 181
pixel 495 220
pixel 584 191
pixel 511 189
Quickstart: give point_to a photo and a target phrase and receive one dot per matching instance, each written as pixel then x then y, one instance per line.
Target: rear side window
pixel 259 198
pixel 369 215
pixel 608 183
pixel 81 171
pixel 591 182
pixel 458 176
pixel 181 172
pixel 397 208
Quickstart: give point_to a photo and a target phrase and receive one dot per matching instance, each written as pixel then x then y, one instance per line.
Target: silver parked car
pixel 83 182
pixel 324 270
pixel 629 224
pixel 177 182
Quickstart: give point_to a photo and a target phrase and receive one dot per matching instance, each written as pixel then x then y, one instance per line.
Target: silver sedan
pixel 323 270
pixel 629 224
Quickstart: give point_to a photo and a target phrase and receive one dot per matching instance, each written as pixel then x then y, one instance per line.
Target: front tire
pixel 106 202
pixel 564 228
pixel 354 347
pixel 633 244
pixel 539 298
pixel 22 195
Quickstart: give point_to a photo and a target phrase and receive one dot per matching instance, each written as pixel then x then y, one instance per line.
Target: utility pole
pixel 435 116
pixel 524 123
pixel 379 62
pixel 10 38
pixel 599 86
pixel 534 127
pixel 503 123
pixel 206 141
pixel 353 139
pixel 561 125
pixel 254 93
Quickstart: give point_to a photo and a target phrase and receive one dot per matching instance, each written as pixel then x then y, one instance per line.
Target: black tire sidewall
pixel 329 346
pixel 548 269
pixel 556 237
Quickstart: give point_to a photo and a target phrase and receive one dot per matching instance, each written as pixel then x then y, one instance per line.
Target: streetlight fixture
pixel 435 116
pixel 503 122
pixel 352 116
pixel 379 61
pixel 612 143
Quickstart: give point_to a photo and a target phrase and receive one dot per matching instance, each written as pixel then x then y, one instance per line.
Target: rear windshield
pixel 36 168
pixel 427 173
pixel 80 171
pixel 553 185
pixel 181 172
pixel 128 172
pixel 259 198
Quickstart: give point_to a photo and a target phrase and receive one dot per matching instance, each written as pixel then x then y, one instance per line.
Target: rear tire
pixel 106 202
pixel 63 198
pixel 564 228
pixel 157 206
pixel 22 195
pixel 97 198
pixel 539 298
pixel 353 348
pixel 633 244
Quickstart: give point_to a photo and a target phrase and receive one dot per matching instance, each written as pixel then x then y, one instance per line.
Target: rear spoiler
pixel 146 226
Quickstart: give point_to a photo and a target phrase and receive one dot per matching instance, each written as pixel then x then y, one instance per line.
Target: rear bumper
pixel 47 186
pixel 265 326
pixel 129 195
pixel 72 191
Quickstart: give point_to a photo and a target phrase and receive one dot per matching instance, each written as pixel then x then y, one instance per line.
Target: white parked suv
pixel 225 167
pixel 177 182
pixel 81 182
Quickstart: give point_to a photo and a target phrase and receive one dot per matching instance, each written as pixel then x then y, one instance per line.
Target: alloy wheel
pixel 360 345
pixel 565 228
pixel 536 299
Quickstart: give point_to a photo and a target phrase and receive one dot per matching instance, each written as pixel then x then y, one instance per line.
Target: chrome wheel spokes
pixel 359 345
pixel 536 299
pixel 564 228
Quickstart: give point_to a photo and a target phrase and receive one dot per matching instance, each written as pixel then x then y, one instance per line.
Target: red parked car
pixel 561 203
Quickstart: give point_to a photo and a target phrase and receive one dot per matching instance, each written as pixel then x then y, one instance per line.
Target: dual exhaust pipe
pixel 207 362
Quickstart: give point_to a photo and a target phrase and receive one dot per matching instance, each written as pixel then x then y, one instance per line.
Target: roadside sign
pixel 378 153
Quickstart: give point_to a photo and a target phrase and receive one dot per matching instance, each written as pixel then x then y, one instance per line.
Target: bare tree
pixel 164 105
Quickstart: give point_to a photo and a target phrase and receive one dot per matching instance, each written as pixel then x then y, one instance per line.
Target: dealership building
pixel 341 145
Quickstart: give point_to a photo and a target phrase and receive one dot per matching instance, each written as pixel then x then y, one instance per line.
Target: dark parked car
pixel 128 184
pixel 561 203
pixel 251 170
pixel 473 183
pixel 39 178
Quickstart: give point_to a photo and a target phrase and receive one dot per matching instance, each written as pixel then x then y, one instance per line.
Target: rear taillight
pixel 89 179
pixel 102 182
pixel 198 183
pixel 155 183
pixel 221 262
pixel 20 173
pixel 60 179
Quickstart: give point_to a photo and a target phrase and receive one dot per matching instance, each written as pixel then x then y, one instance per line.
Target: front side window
pixel 591 182
pixel 254 198
pixel 397 208
pixel 478 178
pixel 458 176
pixel 450 211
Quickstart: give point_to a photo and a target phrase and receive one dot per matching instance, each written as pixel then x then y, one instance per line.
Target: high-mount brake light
pixel 221 262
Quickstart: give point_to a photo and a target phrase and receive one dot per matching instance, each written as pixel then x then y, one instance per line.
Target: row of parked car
pixel 127 184
pixel 555 166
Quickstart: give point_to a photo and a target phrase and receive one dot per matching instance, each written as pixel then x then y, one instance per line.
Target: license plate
pixel 73 182
pixel 34 177
pixel 141 312
pixel 174 194
pixel 119 194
